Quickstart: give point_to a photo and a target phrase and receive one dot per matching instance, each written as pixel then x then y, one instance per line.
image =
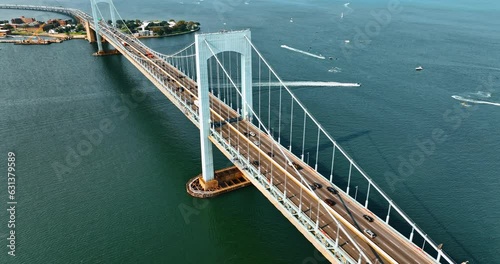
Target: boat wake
pixel 303 52
pixel 474 101
pixel 310 84
pixel 482 94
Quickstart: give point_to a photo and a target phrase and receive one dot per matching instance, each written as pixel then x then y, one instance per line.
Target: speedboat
pixel 419 68
pixel 464 104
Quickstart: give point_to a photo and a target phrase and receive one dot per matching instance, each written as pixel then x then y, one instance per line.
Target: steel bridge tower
pixel 206 45
pixel 96 18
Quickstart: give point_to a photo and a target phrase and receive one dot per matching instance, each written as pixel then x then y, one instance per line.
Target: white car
pixel 257 143
pixel 370 233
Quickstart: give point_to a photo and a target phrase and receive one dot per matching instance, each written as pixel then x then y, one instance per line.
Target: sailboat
pixel 342 15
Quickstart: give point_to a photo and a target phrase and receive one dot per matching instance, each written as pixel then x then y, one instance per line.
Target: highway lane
pixel 401 250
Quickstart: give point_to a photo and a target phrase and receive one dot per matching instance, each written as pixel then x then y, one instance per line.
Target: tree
pixel 180 26
pixel 79 28
pixel 158 31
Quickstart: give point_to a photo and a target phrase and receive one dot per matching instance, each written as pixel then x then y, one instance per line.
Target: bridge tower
pixel 96 18
pixel 207 45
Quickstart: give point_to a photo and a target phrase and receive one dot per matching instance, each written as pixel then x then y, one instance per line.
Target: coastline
pixel 62 36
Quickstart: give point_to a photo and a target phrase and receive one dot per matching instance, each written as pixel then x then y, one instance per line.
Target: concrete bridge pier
pixel 91 37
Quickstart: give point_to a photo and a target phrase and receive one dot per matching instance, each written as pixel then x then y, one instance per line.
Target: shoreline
pixel 84 36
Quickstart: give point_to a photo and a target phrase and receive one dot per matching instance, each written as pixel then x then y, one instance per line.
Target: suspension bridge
pixel 224 86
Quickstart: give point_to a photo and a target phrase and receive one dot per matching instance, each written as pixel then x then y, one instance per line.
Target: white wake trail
pixel 460 98
pixel 310 84
pixel 303 52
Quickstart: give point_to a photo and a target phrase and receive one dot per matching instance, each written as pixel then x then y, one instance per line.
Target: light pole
pixel 307 158
pixel 356 193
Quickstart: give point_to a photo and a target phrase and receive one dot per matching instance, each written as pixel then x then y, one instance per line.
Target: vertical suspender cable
pixel 291 126
pixel 317 151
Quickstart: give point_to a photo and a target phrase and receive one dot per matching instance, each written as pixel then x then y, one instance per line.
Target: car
pixel 332 190
pixel 270 154
pixel 255 162
pixel 317 185
pixel 249 134
pixel 297 166
pixel 257 143
pixel 330 202
pixel 368 218
pixel 312 187
pixel 370 233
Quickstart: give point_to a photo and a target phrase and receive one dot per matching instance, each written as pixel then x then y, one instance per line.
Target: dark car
pixel 270 154
pixel 312 187
pixel 369 218
pixel 332 190
pixel 317 185
pixel 297 166
pixel 255 162
pixel 330 202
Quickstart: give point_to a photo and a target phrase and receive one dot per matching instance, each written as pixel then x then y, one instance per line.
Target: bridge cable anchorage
pixel 300 175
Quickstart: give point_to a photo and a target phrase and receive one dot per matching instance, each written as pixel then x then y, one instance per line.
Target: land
pixel 59 29
pixel 157 28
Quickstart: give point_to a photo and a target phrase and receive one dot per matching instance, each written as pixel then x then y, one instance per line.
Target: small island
pixel 157 28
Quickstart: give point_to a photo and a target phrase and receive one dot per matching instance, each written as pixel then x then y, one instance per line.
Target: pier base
pixel 226 180
pixel 106 53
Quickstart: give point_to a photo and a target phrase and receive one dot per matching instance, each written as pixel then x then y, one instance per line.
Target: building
pixel 22 20
pixel 28 20
pixel 145 33
pixel 16 21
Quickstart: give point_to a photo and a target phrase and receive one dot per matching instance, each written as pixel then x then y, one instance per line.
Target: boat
pixel 419 68
pixel 464 104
